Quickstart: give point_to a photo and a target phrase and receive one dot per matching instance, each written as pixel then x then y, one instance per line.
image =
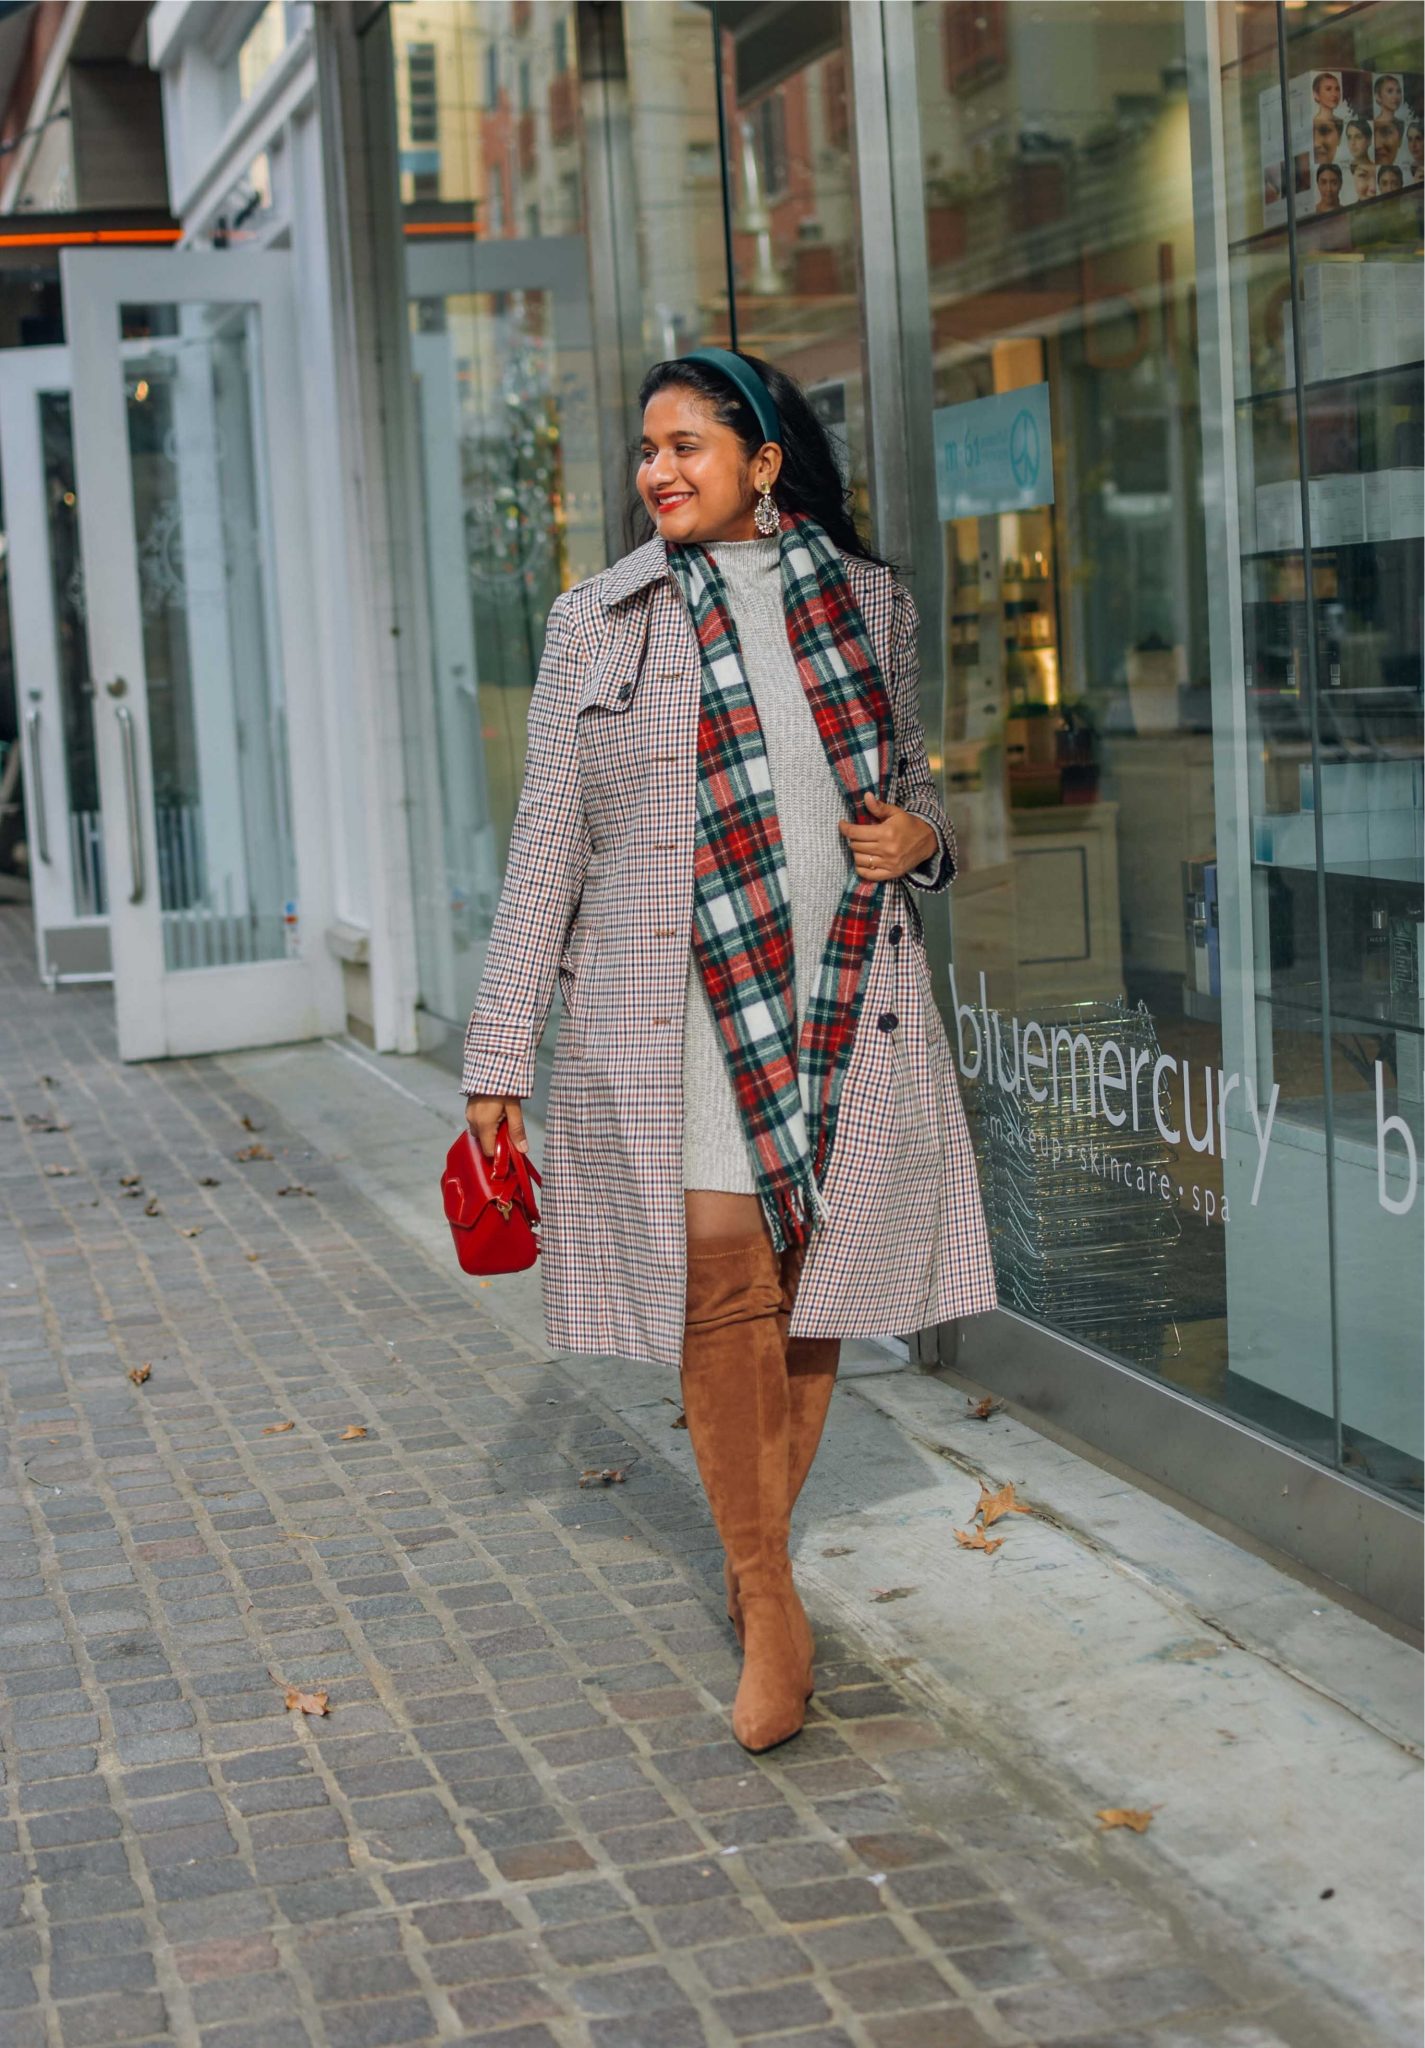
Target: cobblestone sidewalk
pixel 523 1819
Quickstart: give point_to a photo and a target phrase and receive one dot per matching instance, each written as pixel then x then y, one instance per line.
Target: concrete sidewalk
pixel 522 1819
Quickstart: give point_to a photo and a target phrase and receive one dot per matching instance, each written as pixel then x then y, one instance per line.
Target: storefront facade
pixel 1115 311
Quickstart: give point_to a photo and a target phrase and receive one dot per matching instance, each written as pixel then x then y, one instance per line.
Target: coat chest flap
pixel 636 729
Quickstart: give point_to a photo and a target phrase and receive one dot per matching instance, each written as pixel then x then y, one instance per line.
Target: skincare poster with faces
pixel 1355 136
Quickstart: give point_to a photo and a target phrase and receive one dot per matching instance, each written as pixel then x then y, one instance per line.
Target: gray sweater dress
pixel 810 807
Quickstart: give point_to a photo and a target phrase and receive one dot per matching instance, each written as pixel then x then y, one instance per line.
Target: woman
pixel 755 1141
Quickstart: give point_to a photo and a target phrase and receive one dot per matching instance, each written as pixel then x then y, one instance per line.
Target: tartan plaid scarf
pixel 787 1085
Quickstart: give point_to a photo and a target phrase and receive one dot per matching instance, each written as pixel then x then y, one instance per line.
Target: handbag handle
pixel 508 1160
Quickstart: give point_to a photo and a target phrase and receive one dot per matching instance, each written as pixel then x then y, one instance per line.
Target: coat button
pixel 887 1021
pixel 893 936
pixel 900 765
pixel 625 691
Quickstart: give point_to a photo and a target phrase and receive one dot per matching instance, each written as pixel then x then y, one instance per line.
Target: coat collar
pixel 634 572
pixel 648 564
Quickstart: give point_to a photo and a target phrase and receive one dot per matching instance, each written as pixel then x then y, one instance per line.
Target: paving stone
pixel 891 1987
pixel 1054 2012
pixel 101 2022
pixel 489 2006
pixel 782 2006
pixel 588 1942
pixel 946 2026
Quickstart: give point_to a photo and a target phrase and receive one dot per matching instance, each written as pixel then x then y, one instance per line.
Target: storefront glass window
pixel 1159 690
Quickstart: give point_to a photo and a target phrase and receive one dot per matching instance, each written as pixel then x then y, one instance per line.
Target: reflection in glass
pixel 795 227
pixel 86 843
pixel 497 548
pixel 216 711
pixel 673 123
pixel 487 109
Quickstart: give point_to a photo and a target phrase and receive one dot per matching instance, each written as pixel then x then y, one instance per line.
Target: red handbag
pixel 490 1205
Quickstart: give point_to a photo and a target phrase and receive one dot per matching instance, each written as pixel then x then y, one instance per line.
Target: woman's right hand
pixel 485 1113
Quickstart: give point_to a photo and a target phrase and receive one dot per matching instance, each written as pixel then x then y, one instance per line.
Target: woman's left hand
pixel 892 844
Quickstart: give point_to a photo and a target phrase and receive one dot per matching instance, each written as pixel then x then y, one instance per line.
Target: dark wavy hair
pixel 810 479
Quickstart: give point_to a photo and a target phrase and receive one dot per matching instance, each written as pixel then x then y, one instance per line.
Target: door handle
pixel 37 780
pixel 131 800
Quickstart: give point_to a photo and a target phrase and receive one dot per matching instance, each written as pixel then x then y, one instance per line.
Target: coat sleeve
pixel 915 784
pixel 544 878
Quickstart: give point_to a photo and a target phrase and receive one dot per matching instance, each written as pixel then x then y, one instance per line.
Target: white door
pixel 47 622
pixel 188 439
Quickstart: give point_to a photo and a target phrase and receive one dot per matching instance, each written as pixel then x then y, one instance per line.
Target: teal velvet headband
pixel 748 383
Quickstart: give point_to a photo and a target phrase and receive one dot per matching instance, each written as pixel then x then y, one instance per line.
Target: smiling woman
pixel 728 811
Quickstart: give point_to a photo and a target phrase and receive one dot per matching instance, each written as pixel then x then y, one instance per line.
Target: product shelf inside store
pixel 1316 384
pixel 1364 868
pixel 1264 58
pixel 1381 212
pixel 1355 1006
pixel 1318 548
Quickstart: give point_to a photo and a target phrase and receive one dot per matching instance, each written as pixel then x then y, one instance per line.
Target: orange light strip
pixel 441 227
pixel 86 238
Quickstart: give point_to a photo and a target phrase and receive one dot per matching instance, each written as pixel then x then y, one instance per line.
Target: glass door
pixel 52 666
pixel 188 442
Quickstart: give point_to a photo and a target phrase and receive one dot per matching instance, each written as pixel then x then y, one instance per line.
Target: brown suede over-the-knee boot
pixel 811 1377
pixel 736 1402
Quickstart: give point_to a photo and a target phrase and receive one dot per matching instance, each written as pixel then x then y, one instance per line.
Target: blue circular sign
pixel 1024 450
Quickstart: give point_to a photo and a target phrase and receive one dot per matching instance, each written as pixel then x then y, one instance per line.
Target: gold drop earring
pixel 767 519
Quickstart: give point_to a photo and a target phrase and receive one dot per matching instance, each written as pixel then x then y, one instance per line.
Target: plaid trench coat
pixel 598 901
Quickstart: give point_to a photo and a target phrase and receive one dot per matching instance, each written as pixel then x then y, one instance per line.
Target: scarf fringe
pixel 794 1212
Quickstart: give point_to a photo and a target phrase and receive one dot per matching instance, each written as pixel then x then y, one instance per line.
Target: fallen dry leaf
pixel 884 1593
pixel 249 1125
pixel 278 1428
pixel 839 1550
pixel 1137 1818
pixel 254 1256
pixel 41 1123
pixel 130 1180
pixel 193 1230
pixel 139 1373
pixel 352 1429
pixel 984 1408
pixel 59 1172
pixel 607 1475
pixel 153 1207
pixel 252 1152
pixel 976 1539
pixel 306 1702
pixel 208 1181
pixel 991 1506
pixel 296 1188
